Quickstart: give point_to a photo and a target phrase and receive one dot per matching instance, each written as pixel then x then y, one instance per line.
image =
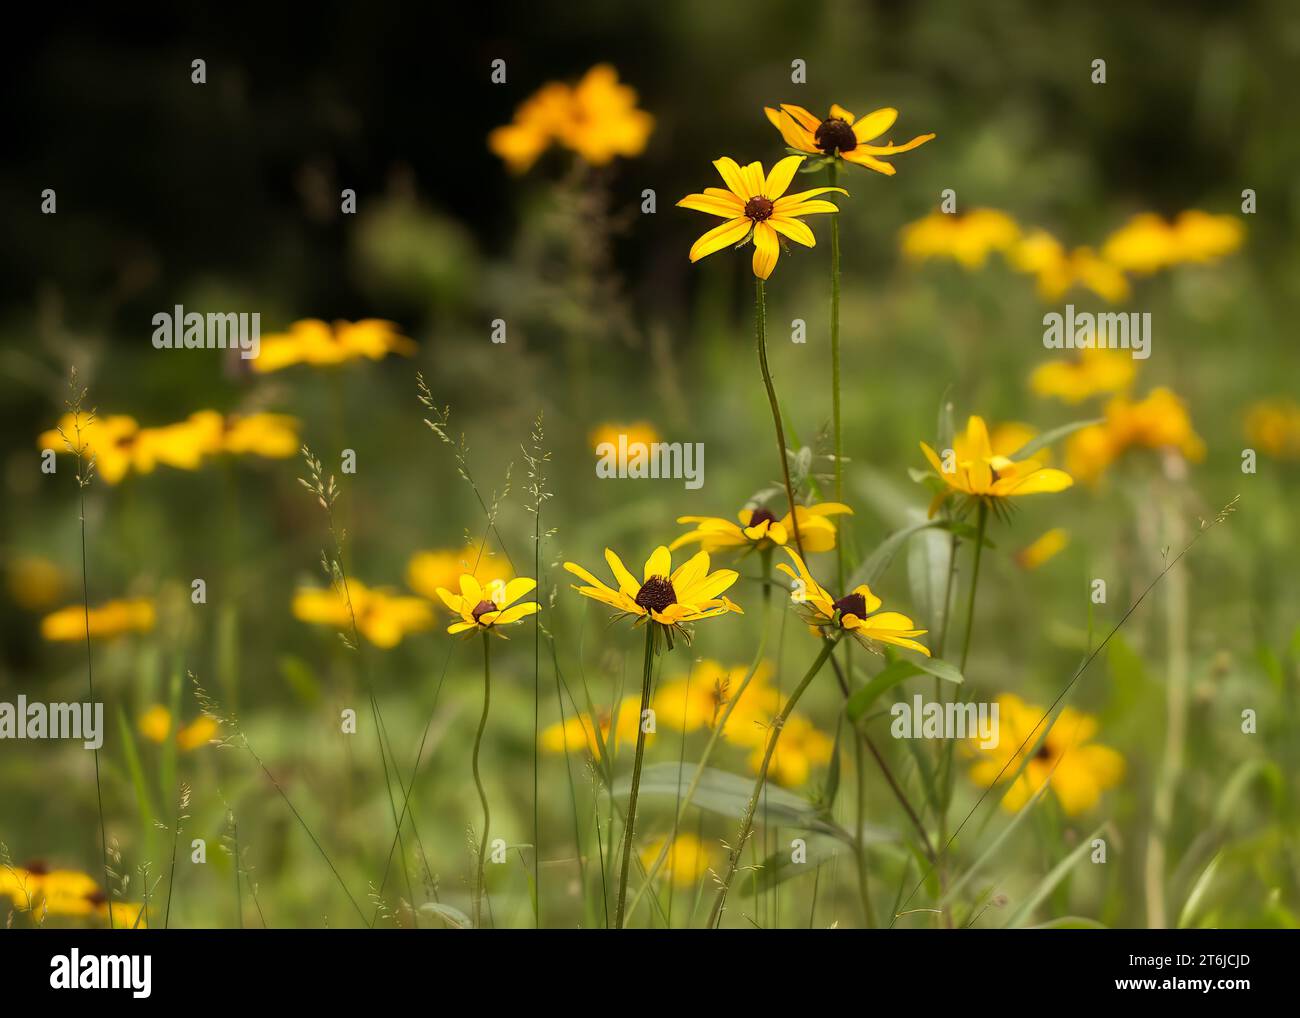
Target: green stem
pixel 833 173
pixel 760 319
pixel 859 844
pixel 747 822
pixel 480 881
pixel 629 828
pixel 974 582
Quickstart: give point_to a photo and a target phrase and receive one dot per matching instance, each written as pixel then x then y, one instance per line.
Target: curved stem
pixel 760 319
pixel 833 173
pixel 747 822
pixel 629 828
pixel 480 882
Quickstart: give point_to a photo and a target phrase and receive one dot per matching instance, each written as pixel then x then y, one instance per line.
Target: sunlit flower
pixel 856 613
pixel 312 341
pixel 113 618
pixel 126 915
pixel 578 734
pixel 597 118
pixel 842 135
pixel 20 885
pixel 671 599
pixel 621 437
pixel 273 436
pixel 426 571
pixel 967 237
pixel 979 474
pixel 698 699
pixel 1059 270
pixel 1095 371
pixel 1147 242
pixel 801 749
pixel 1158 421
pixel 1273 427
pixel 688 858
pixel 488 607
pixel 34 582
pixel 761 529
pixel 382 617
pixel 757 208
pixel 111 440
pixel 1049 545
pixel 155 724
pixel 1005 439
pixel 1077 769
pixel 63 893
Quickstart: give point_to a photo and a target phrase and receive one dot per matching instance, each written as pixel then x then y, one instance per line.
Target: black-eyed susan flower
pixel 966 237
pixel 687 703
pixel 1077 769
pixel 382 617
pixel 856 613
pixel 686 862
pixel 1095 371
pixel 1058 270
pixel 113 442
pixel 113 618
pixel 1158 421
pixel 488 607
pixel 670 599
pixel 1046 547
pixel 1148 242
pixel 983 476
pixel 760 529
pixel 272 436
pixel 756 207
pixel 841 135
pixel 312 341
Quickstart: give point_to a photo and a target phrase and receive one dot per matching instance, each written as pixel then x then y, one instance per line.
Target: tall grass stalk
pixel 629 828
pixel 760 329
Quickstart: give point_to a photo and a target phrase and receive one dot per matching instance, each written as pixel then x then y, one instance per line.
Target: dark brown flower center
pixel 482 608
pixel 835 135
pixel 97 897
pixel 852 604
pixel 759 208
pixel 656 594
pixel 1044 752
pixel 761 516
pixel 37 867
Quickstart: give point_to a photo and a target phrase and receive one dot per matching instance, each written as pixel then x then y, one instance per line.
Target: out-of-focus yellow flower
pixel 697 700
pixel 981 474
pixel 156 725
pixel 1077 769
pixel 126 915
pixel 761 529
pixel 426 571
pixel 113 618
pixel 578 734
pixel 1148 243
pixel 597 118
pixel 64 893
pixel 800 749
pixel 1158 421
pixel 312 341
pixel 1058 271
pixel 273 436
pixel 1273 427
pixel 34 582
pixel 20 885
pixel 1050 544
pixel 183 445
pixel 112 441
pixel 755 207
pixel 688 858
pixel 382 617
pixel 488 607
pixel 1094 371
pixel 967 237
pixel 842 135
pixel 609 433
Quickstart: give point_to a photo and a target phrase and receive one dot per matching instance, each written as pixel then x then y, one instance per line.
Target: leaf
pixel 1070 922
pixel 955 888
pixel 1058 873
pixel 929 560
pixel 1048 437
pixel 859 704
pixel 453 917
pixel 1198 892
pixel 874 565
pixel 777 868
pixel 940 669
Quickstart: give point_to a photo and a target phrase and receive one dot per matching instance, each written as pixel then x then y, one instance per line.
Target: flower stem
pixel 629 829
pixel 760 319
pixel 479 881
pixel 974 582
pixel 747 822
pixel 833 173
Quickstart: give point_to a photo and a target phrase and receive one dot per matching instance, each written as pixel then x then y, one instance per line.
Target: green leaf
pixel 1048 437
pixel 453 917
pixel 1058 873
pixel 874 565
pixel 939 668
pixel 891 675
pixel 1198 892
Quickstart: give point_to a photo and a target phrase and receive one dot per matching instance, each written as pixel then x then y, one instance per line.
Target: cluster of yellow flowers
pixel 1141 246
pixel 156 725
pixel 597 119
pixel 120 446
pixel 47 893
pixel 1158 421
pixel 105 621
pixel 312 341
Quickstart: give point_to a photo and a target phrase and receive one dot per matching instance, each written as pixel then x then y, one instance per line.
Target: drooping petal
pixel 889 150
pixel 795 135
pixel 794 230
pixel 766 250
pixel 840 113
pixel 802 117
pixel 728 234
pixel 860 157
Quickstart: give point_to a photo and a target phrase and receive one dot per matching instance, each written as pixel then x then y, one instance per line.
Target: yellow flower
pixel 759 528
pixel 578 734
pixel 1147 243
pixel 428 570
pixel 1005 439
pixel 484 608
pixel 967 237
pixel 112 441
pixel 383 618
pixel 113 618
pixel 1159 421
pixel 980 474
pixel 64 893
pixel 842 135
pixel 801 748
pixel 1058 271
pixel 312 341
pixel 1094 371
pixel 688 858
pixel 156 725
pixel 754 208
pixel 274 436
pixel 671 599
pixel 21 886
pixel 126 915
pixel 1049 545
pixel 697 700
pixel 597 118
pixel 855 613
pixel 1077 769
pixel 609 433
pixel 1273 427
pixel 35 582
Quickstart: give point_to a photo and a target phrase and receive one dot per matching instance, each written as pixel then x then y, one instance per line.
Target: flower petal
pixel 875 123
pixel 766 250
pixel 728 234
pixel 793 229
pixel 660 563
pixel 778 180
pixel 731 176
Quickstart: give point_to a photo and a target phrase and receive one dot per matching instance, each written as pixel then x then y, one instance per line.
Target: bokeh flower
pixel 761 529
pixel 272 436
pixel 578 733
pixel 1094 371
pixel 111 440
pixel 428 570
pixel 1058 270
pixel 46 893
pixel 1078 769
pixel 1148 243
pixel 1045 547
pixel 382 617
pixel 312 341
pixel 155 724
pixel 111 619
pixel 841 135
pixel 688 858
pixel 756 207
pixel 34 581
pixel 1158 421
pixel 801 749
pixel 967 237
pixel 1273 427
pixel 687 703
pixel 488 607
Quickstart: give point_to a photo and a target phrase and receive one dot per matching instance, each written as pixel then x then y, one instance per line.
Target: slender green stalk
pixel 629 828
pixel 760 328
pixel 859 844
pixel 479 880
pixel 747 822
pixel 980 526
pixel 832 174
